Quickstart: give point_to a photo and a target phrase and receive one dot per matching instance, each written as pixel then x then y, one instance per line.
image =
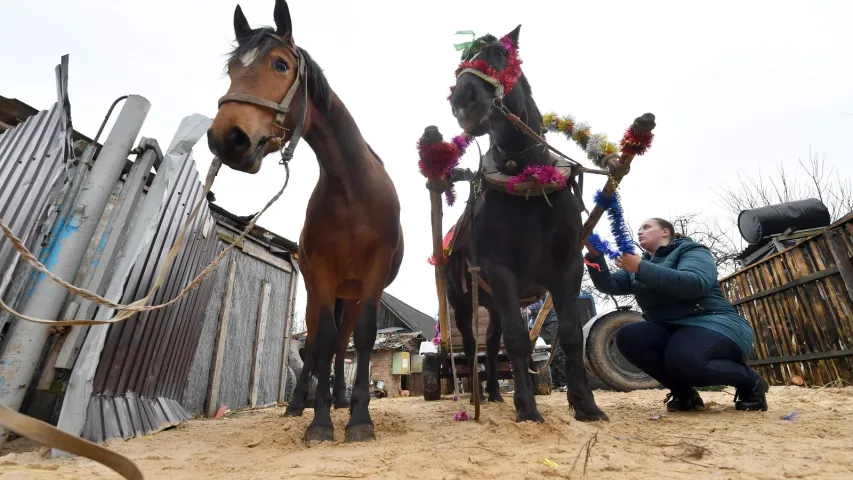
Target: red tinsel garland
pixel 507 77
pixel 542 174
pixel 636 143
pixel 437 159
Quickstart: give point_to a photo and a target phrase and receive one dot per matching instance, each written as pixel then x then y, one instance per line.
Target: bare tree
pixel 825 184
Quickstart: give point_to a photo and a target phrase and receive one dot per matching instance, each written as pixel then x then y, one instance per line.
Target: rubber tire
pixel 541 382
pixel 430 377
pixel 600 336
pixel 290 385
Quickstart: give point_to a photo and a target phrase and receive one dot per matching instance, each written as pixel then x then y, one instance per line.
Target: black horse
pixel 524 245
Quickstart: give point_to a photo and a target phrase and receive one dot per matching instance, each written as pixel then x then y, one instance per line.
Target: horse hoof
pixel 317 434
pixel 529 417
pixel 293 412
pixel 360 433
pixel 338 405
pixel 496 398
pixel 597 416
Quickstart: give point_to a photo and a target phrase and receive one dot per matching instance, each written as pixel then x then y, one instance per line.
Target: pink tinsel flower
pixel 544 174
pixel 455 398
pixel 461 416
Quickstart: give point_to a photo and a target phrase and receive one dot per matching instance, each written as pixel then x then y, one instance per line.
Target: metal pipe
pixel 45 300
pixel 107 118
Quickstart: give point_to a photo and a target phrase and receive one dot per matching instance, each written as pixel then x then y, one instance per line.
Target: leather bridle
pixel 282 108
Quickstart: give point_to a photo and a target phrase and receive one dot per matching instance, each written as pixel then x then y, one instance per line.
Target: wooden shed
pixel 799 302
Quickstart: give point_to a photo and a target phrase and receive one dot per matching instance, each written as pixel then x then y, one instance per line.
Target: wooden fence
pixel 800 305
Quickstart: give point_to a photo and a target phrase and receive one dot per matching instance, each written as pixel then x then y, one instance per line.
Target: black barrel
pixel 762 222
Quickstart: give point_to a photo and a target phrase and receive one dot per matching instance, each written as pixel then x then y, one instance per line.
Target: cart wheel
pixel 431 378
pixel 541 382
pixel 607 362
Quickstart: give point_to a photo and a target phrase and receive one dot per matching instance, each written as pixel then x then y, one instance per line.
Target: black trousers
pixel 683 357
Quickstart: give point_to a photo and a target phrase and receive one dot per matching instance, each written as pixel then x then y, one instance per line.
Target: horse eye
pixel 280 65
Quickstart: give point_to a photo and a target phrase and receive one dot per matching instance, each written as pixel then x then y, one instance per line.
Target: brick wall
pixel 381 370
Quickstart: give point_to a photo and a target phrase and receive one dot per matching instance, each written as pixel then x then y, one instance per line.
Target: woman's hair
pixel 668 225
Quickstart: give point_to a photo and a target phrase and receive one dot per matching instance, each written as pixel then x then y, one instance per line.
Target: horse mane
pixel 318 86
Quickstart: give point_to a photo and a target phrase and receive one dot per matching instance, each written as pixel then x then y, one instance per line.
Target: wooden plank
pixel 198 378
pixel 260 336
pixel 288 326
pixel 842 260
pixel 804 357
pixel 794 283
pixel 225 313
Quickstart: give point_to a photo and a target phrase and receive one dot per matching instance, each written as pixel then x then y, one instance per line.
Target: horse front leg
pixel 565 292
pixel 321 320
pixel 516 339
pixel 493 346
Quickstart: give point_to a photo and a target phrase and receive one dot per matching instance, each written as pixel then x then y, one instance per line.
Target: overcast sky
pixel 734 85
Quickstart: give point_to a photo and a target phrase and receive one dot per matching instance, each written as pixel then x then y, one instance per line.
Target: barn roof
pixel 416 320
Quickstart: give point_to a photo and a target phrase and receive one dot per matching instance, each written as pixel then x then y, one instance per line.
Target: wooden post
pixel 260 336
pixel 839 253
pixel 224 314
pixel 540 317
pixel 438 255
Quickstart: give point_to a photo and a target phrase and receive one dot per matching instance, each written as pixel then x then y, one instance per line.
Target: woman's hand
pixel 629 263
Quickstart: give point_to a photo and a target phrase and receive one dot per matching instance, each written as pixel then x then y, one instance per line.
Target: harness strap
pixel 287 154
pixel 283 108
pixel 499 88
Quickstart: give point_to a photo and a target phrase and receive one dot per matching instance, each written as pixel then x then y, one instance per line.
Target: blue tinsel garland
pixel 617 228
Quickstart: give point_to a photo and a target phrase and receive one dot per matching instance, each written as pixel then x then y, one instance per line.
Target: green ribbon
pixel 465 47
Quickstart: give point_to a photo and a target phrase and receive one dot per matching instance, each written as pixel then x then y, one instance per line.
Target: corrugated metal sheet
pixel 33 168
pixel 146 359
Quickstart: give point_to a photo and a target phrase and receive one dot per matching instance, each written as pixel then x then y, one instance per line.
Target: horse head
pixel 490 70
pixel 267 104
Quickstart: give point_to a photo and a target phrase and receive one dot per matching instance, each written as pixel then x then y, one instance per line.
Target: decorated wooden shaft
pixel 635 142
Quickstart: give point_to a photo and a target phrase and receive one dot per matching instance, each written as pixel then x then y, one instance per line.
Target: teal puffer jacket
pixel 678 286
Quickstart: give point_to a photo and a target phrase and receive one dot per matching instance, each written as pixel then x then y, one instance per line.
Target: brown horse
pixel 351 245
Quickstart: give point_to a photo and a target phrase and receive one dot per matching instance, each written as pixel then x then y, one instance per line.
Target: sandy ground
pixel 417 439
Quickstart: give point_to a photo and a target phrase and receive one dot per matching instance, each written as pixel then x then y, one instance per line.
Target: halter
pixel 283 108
pixel 503 80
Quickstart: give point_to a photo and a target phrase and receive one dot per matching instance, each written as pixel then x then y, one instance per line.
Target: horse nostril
pixel 211 142
pixel 239 140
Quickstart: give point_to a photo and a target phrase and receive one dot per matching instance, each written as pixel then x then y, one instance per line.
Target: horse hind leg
pixel 339 390
pixel 296 406
pixel 493 345
pixel 360 427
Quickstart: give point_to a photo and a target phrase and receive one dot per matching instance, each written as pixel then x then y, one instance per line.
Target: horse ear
pixel 241 26
pixel 283 25
pixel 513 35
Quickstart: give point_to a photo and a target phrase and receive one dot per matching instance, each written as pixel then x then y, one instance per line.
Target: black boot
pixel 689 401
pixel 753 399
